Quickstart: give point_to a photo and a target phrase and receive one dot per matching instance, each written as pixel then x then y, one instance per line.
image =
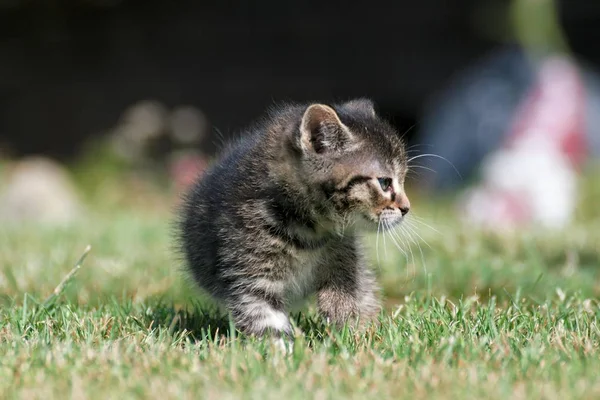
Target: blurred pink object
pixel 532 179
pixel 186 167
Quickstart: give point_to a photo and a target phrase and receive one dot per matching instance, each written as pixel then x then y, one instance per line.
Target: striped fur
pixel 275 219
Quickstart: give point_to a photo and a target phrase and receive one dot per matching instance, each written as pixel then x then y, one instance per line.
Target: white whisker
pixel 411 240
pixel 377 243
pixel 418 145
pixel 423 167
pixel 421 221
pixel 407 132
pixel 412 255
pixel 435 156
pixel 384 243
pixel 393 233
pixel 389 230
pixel 409 234
pixel 412 229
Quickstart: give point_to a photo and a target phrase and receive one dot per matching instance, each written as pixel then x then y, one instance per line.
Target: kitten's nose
pixel 403 204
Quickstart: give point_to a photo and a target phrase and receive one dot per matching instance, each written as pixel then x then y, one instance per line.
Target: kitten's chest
pixel 301 277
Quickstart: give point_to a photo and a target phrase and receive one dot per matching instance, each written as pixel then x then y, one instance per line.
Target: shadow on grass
pixel 202 322
pixel 207 323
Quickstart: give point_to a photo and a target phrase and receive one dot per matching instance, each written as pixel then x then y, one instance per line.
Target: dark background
pixel 68 69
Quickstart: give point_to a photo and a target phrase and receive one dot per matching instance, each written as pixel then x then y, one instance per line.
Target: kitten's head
pixel 357 159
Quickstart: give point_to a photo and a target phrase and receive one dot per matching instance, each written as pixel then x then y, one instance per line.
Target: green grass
pixel 474 316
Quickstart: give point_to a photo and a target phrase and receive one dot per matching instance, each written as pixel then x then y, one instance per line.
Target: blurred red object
pixel 554 111
pixel 532 178
pixel 186 168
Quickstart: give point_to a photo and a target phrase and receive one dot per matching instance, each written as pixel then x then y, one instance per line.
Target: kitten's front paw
pixel 283 344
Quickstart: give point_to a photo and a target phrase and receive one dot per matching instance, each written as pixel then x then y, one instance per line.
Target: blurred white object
pixel 188 125
pixel 532 179
pixel 140 124
pixel 529 184
pixel 38 190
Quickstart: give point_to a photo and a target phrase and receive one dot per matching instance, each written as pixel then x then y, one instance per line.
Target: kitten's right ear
pixel 321 130
pixel 361 105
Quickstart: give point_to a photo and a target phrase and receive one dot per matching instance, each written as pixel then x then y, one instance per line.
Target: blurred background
pixel 156 87
pixel 109 109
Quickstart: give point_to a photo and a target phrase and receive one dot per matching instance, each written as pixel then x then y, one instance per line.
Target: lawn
pixel 468 314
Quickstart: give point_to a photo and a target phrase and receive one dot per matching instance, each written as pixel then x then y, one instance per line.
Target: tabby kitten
pixel 276 219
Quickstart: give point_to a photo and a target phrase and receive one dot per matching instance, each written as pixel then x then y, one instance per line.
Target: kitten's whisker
pixel 384 243
pixel 394 233
pixel 409 234
pixel 407 244
pixel 413 231
pixel 409 239
pixel 421 221
pixel 407 132
pixel 435 156
pixel 417 145
pixel 415 173
pixel 221 138
pixel 423 167
pixel 390 230
pixel 377 242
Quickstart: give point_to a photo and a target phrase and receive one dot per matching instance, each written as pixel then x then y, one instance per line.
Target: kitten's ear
pixel 321 130
pixel 362 106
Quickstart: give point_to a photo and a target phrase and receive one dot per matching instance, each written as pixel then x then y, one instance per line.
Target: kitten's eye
pixel 385 183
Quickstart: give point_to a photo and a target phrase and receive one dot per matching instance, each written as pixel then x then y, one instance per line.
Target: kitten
pixel 276 219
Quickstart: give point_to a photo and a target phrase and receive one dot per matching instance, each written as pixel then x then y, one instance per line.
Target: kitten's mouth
pixel 385 220
pixel 389 219
pixel 390 223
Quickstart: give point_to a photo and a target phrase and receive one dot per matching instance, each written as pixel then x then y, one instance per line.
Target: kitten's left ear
pixel 321 130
